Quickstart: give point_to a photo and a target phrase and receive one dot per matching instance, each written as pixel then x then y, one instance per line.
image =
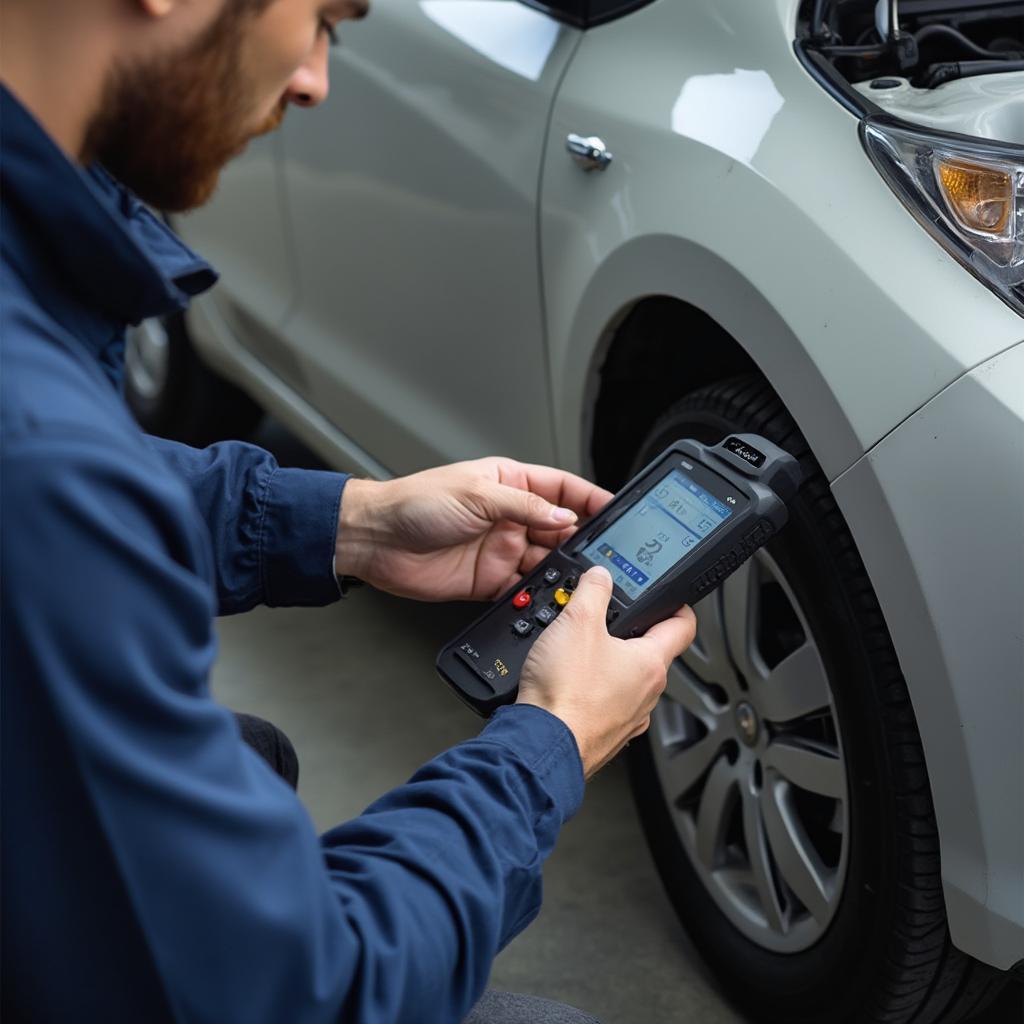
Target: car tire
pixel 173 394
pixel 871 942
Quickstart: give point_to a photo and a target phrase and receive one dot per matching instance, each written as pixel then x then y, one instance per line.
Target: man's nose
pixel 309 85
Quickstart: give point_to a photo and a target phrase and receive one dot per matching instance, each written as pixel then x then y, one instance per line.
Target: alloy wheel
pixel 751 764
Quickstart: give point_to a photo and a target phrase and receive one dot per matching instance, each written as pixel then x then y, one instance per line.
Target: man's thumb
pixel 594 590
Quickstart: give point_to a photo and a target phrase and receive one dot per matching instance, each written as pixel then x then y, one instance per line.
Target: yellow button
pixel 562 596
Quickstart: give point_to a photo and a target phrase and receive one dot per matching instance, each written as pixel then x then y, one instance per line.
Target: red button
pixel 522 599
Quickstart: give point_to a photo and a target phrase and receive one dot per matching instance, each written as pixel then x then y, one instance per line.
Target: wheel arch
pixel 649 335
pixel 685 308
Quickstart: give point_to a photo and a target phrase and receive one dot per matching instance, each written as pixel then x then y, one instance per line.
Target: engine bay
pixel 924 42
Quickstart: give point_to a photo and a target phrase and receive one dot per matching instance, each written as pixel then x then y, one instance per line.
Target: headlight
pixel 967 193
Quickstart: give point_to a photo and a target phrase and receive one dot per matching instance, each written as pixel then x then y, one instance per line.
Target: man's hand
pixel 603 688
pixel 462 532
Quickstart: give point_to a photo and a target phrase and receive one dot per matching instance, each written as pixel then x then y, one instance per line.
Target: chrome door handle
pixel 589 152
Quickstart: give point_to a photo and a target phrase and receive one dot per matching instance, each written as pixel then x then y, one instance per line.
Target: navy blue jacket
pixel 153 867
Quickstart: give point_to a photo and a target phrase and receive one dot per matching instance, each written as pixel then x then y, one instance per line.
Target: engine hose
pixel 948 71
pixel 947 30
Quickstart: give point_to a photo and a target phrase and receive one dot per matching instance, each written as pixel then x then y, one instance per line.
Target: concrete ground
pixel 354 687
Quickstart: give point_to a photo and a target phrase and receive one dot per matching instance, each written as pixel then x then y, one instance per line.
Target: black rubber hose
pixel 947 30
pixel 949 71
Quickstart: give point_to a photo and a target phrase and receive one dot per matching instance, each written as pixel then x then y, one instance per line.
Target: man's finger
pixel 673 635
pixel 641 729
pixel 532 557
pixel 509 583
pixel 529 509
pixel 550 539
pixel 557 486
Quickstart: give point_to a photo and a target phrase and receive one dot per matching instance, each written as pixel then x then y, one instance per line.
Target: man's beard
pixel 167 127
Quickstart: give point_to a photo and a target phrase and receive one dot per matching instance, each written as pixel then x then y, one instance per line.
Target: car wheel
pixel 782 784
pixel 174 395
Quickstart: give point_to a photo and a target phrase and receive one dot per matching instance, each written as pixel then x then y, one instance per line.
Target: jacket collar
pixel 83 244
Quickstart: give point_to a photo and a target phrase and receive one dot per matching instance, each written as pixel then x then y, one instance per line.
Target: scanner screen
pixel 664 526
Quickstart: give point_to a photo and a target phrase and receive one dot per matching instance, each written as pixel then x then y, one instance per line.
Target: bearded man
pixel 154 866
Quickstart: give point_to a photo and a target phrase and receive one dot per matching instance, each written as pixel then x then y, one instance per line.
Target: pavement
pixel 354 687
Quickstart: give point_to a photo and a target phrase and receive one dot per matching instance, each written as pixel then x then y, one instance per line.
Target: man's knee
pixel 272 745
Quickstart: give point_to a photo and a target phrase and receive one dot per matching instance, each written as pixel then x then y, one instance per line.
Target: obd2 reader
pixel 668 538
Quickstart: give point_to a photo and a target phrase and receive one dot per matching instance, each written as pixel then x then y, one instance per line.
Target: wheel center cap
pixel 747 722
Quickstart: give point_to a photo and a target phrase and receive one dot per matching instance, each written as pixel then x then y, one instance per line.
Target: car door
pixel 242 231
pixel 412 195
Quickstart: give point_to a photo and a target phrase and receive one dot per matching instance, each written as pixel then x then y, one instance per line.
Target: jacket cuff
pixel 547 746
pixel 298 532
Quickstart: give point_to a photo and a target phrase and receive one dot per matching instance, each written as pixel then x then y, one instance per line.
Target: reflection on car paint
pixel 731 113
pixel 515 37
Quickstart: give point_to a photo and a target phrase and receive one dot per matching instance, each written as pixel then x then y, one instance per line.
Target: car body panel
pixel 703 132
pixel 937 510
pixel 221 346
pixel 438 108
pixel 242 231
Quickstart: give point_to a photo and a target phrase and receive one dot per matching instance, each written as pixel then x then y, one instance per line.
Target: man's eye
pixel 327 28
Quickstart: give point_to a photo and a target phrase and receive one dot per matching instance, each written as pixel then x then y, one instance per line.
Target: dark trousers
pixel 495 1007
pixel 272 745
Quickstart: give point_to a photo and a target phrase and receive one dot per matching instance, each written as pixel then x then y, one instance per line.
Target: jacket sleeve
pixel 273 529
pixel 249 916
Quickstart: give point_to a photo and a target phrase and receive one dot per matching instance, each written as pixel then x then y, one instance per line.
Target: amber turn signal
pixel 980 197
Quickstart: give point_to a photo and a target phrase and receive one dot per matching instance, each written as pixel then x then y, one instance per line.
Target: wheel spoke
pixel 797 686
pixel 740 609
pixel 810 768
pixel 686 690
pixel 708 656
pixel 713 815
pixel 797 861
pixel 760 863
pixel 681 769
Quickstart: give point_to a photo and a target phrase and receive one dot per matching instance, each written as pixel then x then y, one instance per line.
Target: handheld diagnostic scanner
pixel 669 537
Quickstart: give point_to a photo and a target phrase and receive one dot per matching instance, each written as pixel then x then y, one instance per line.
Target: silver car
pixel 571 231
